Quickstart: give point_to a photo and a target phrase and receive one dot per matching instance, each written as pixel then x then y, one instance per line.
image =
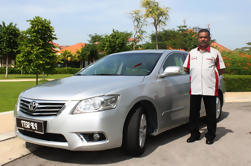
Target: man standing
pixel 204 64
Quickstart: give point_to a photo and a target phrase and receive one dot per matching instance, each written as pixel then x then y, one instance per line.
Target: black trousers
pixel 194 119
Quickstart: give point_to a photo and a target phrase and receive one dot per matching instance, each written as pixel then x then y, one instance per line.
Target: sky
pixel 75 20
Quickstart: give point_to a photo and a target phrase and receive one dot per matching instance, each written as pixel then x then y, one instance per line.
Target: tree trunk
pixel 43 76
pixel 7 66
pixel 36 79
pixel 156 37
pixel 81 63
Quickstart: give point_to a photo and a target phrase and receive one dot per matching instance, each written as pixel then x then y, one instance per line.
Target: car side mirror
pixel 171 70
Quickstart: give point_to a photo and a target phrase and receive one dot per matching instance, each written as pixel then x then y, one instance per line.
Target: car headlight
pixel 94 104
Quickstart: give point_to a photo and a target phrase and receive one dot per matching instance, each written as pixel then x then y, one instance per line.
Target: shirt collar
pixel 207 49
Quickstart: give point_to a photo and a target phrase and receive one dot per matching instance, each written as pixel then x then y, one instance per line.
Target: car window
pixel 126 64
pixel 183 56
pixel 175 59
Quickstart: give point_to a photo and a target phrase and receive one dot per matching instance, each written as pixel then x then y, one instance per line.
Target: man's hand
pixel 186 70
pixel 221 71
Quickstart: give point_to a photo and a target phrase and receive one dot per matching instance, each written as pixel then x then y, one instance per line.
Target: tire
pixel 218 108
pixel 135 133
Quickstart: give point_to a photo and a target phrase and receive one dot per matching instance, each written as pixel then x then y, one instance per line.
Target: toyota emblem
pixel 33 105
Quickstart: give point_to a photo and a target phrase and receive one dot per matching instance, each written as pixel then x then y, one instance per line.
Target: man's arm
pixel 186 64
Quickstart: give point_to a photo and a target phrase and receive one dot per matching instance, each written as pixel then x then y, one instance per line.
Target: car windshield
pixel 126 64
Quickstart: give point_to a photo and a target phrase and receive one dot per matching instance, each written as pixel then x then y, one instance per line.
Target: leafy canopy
pixel 138 23
pixel 182 38
pixel 37 49
pixel 159 15
pixel 116 42
pixel 9 35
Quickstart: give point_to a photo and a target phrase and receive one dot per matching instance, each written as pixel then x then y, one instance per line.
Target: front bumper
pixel 109 122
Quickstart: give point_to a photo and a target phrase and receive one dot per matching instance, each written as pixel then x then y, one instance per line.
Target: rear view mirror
pixel 171 70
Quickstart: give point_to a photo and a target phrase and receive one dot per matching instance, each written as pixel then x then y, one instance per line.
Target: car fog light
pixel 92 137
pixel 96 137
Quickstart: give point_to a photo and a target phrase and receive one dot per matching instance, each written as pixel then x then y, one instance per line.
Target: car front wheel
pixel 135 133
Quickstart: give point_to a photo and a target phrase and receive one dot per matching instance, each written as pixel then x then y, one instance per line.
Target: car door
pixel 175 103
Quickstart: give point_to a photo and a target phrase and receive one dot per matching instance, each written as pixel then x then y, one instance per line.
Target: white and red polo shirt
pixel 204 68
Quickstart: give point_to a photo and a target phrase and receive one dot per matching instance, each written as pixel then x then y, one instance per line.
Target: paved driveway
pixel 232 147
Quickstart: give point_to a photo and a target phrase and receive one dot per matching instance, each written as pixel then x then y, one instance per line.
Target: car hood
pixel 80 87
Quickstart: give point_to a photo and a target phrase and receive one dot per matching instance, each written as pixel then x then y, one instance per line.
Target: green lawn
pixel 9 92
pixel 30 76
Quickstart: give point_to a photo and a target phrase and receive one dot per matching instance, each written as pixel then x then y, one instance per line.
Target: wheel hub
pixel 142 130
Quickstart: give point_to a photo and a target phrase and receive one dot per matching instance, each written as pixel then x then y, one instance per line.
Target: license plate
pixel 30 125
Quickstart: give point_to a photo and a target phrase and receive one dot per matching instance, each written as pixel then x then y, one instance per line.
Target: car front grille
pixel 45 136
pixel 40 107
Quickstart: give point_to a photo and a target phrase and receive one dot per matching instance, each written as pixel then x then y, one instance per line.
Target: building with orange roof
pixel 219 47
pixel 73 48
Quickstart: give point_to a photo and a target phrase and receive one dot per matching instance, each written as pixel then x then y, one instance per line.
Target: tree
pixel 90 52
pixel 116 42
pixel 37 50
pixel 138 24
pixel 65 57
pixel 80 57
pixel 9 35
pixel 182 38
pixel 158 15
pixel 96 38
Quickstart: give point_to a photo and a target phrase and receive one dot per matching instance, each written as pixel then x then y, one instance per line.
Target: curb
pixel 7 112
pixel 7 136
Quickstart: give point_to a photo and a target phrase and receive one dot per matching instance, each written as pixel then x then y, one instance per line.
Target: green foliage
pixel 237 63
pixel 66 55
pixel 116 42
pixel 158 15
pixel 9 35
pixel 237 83
pixel 95 38
pixel 37 50
pixel 90 52
pixel 12 70
pixel 182 38
pixel 138 22
pixel 66 70
pixel 148 45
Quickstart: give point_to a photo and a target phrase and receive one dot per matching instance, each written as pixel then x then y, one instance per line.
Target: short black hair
pixel 204 30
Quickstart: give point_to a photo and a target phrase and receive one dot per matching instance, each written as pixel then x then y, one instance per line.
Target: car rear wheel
pixel 135 134
pixel 218 108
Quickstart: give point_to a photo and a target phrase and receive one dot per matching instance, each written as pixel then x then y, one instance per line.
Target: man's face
pixel 203 39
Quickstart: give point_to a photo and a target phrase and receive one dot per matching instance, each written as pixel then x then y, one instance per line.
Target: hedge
pixel 11 70
pixel 237 63
pixel 65 70
pixel 237 83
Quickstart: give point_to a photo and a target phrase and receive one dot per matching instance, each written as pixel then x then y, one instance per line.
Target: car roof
pixel 150 51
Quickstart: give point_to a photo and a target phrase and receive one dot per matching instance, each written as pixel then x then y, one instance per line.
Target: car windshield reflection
pixel 125 64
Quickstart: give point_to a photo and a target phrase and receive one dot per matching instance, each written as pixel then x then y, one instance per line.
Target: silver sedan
pixel 116 102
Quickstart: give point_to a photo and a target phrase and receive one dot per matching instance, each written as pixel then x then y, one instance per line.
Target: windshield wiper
pixel 78 74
